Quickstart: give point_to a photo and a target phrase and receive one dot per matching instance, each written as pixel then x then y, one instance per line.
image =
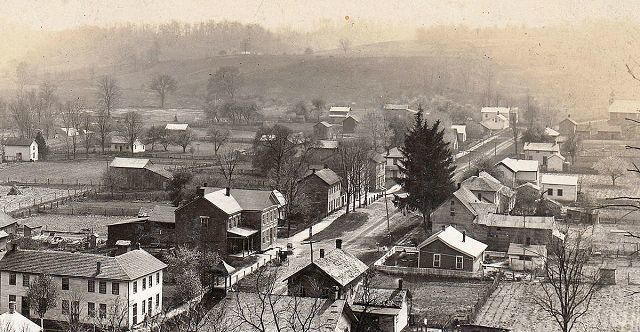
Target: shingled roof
pixel 454 239
pixel 128 266
pixel 18 141
pixel 340 265
pixel 6 220
pixel 326 175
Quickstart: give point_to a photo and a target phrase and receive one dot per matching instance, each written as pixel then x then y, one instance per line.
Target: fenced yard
pixel 66 223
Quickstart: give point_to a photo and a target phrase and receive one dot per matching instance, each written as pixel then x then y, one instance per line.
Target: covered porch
pixel 240 241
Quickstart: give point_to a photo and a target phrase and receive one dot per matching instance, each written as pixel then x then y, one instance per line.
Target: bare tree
pixel 218 137
pixel 613 167
pixel 345 44
pixel 87 133
pixel 374 127
pixel 42 295
pixel 109 94
pixel 228 161
pixel 226 80
pixel 23 109
pixel 318 106
pixel 71 117
pixel 48 98
pixel 163 84
pixel 351 162
pixel 569 284
pixel 103 125
pixel 183 139
pixel 132 127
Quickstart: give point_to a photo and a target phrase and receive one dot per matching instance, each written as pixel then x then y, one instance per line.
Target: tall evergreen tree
pixel 427 168
pixel 43 149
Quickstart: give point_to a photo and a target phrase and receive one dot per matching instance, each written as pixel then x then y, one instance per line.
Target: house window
pixel 65 307
pixel 550 192
pixel 25 280
pixel 436 260
pixel 12 278
pixel 158 278
pixel 75 310
pixel 560 192
pixel 12 298
pixel 144 309
pixel 135 287
pixel 135 313
pixel 452 209
pixel 91 309
pixel 157 300
pixel 204 221
pixel 150 281
pixel 91 286
pixel 144 284
pixel 65 283
pixel 103 311
pixel 115 288
pixel 459 262
pixel 102 287
pixel 150 305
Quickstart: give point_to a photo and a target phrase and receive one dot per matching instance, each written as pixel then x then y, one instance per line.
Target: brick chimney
pixel 227 191
pixel 201 190
pixel 336 293
pixel 321 253
pixel 464 236
pixel 338 243
pixel 400 283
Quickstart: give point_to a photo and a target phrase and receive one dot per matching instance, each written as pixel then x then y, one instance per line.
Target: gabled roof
pixel 15 322
pixel 534 250
pixel 376 157
pixel 18 141
pixel 570 120
pixel 625 106
pixel 494 125
pixel 356 119
pixel 117 139
pixel 326 175
pixel 227 204
pixel 549 147
pixel 520 165
pixel 453 239
pixel 561 179
pixel 163 213
pixel 394 153
pixel 176 126
pixel 129 162
pixel 460 129
pixel 466 197
pixel 399 107
pixel 6 220
pixel 482 183
pixel 502 117
pixel 324 124
pixel 499 110
pixel 557 155
pixel 505 220
pixel 160 170
pixel 339 111
pixel 551 132
pixel 128 266
pixel 245 199
pixel 340 265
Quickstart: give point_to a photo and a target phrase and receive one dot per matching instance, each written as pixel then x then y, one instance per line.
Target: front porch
pixel 241 241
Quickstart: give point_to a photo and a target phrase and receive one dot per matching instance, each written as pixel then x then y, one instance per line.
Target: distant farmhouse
pixel 498 118
pixel 20 149
pixel 137 173
pixel 547 154
pixel 350 125
pixel 323 187
pixel 337 114
pixel 121 144
pixel 325 131
pixel 489 190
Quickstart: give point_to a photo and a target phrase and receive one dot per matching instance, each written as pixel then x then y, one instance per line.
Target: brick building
pixel 452 250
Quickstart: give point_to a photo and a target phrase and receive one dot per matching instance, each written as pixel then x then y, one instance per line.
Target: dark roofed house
pixel 488 189
pixel 460 210
pixel 19 149
pixel 325 131
pixel 121 144
pixel 338 271
pixel 138 173
pixel 451 249
pixel 388 307
pixel 350 125
pixel 152 227
pixel 132 278
pixel 324 189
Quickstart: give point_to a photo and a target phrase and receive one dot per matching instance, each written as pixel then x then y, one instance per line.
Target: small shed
pixel 607 276
pixel 526 257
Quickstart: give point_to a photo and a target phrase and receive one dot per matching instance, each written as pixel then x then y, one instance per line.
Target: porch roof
pixel 243 232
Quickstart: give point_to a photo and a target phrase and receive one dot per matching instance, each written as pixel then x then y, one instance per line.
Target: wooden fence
pixel 380 266
pixel 43 203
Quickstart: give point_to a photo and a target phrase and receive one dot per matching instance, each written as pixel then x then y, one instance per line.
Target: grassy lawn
pixel 27 196
pixel 71 172
pixel 343 224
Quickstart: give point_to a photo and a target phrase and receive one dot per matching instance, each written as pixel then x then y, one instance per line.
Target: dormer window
pixel 204 221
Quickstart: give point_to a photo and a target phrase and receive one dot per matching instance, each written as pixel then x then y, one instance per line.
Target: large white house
pixel 513 172
pixel 20 149
pixel 92 288
pixel 560 187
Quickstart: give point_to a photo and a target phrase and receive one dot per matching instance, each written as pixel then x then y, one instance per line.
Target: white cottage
pixel 20 149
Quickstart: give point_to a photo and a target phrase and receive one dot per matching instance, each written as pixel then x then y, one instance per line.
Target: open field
pixel 72 223
pixel 599 186
pixel 613 309
pixel 29 195
pixel 71 172
pixel 436 301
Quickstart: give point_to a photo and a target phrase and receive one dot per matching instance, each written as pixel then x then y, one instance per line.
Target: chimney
pixel 336 293
pixel 321 253
pixel 98 267
pixel 400 283
pixel 313 170
pixel 338 243
pixel 464 236
pixel 12 307
pixel 13 246
pixel 227 191
pixel 200 191
pixel 459 185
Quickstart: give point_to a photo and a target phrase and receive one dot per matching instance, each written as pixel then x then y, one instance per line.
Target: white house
pixel 90 287
pixel 547 154
pixel 20 149
pixel 560 187
pixel 526 257
pixel 121 144
pixel 513 172
pixel 392 158
pixel 552 133
pixel 461 132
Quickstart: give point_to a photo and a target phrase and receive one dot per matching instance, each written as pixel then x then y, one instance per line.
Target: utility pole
pixel 386 206
pixel 310 242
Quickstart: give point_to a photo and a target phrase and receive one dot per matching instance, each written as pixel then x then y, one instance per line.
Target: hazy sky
pixel 60 14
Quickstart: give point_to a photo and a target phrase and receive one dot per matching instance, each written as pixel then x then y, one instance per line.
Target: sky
pixel 298 14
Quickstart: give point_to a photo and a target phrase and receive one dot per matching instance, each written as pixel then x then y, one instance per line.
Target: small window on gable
pixel 204 221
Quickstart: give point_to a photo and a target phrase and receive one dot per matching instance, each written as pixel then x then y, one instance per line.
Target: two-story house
pixel 20 149
pixel 376 171
pixel 547 154
pixel 393 158
pixel 350 125
pixel 232 222
pixel 126 289
pixel 459 210
pixel 488 189
pixel 324 130
pixel 323 189
pixel 513 172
